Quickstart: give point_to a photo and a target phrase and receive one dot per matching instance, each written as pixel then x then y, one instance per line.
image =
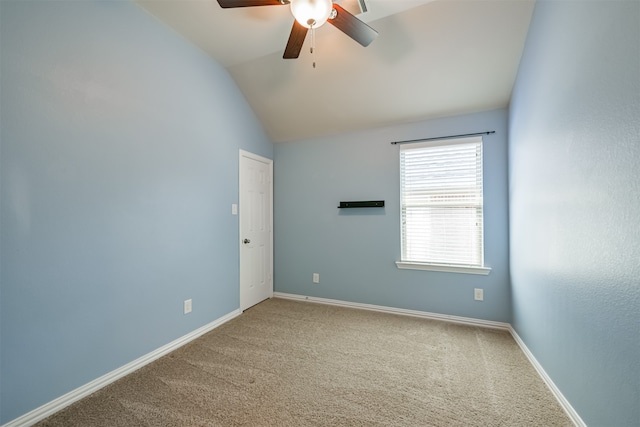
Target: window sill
pixel 405 265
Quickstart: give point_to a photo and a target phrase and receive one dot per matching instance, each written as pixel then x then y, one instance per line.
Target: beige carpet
pixel 286 363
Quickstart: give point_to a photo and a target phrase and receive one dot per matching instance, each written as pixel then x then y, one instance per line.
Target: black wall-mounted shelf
pixel 367 204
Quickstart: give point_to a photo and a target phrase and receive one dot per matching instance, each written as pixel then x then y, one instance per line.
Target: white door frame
pixel 269 162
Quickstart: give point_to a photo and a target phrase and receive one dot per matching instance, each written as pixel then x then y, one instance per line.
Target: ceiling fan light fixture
pixel 311 13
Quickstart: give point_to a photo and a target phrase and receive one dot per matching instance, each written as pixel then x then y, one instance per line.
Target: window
pixel 441 206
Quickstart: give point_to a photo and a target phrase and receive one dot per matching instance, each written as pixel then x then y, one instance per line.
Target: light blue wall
pixel 354 251
pixel 119 165
pixel 575 204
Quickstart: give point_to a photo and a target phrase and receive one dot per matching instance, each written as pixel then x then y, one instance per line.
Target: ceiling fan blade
pixel 352 26
pixel 296 40
pixel 247 3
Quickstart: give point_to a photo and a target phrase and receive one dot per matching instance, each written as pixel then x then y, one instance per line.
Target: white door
pixel 256 225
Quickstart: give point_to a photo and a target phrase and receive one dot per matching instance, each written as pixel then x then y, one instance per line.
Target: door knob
pixel 245 241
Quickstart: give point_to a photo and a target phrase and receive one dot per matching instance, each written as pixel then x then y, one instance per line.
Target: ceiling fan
pixel 311 14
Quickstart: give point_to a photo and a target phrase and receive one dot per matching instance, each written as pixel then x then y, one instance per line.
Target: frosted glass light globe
pixel 310 13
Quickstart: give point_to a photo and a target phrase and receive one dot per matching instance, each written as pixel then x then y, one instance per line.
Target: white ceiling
pixel 431 59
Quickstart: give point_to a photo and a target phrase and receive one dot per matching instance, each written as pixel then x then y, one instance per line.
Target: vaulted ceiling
pixel 431 59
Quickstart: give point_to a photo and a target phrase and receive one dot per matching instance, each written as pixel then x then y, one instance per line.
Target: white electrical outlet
pixel 478 294
pixel 234 209
pixel 316 278
pixel 187 306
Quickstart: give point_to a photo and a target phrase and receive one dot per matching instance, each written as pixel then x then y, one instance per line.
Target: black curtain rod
pixel 443 137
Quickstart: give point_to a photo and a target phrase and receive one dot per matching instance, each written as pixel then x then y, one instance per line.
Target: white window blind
pixel 441 202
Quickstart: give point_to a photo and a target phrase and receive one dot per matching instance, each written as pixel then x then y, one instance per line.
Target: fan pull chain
pixel 313 43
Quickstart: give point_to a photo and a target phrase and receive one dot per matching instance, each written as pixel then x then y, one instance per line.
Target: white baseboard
pixel 56 405
pixel 568 409
pixel 38 414
pixel 404 312
pixel 566 406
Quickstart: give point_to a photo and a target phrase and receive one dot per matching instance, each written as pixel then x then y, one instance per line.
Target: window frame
pixel 481 269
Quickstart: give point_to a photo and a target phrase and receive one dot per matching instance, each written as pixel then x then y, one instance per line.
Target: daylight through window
pixel 441 202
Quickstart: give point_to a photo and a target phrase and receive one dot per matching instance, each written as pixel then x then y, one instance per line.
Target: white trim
pixel 269 162
pixel 61 402
pixel 568 409
pixel 39 414
pixel 250 155
pixel 450 268
pixel 564 403
pixel 401 311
